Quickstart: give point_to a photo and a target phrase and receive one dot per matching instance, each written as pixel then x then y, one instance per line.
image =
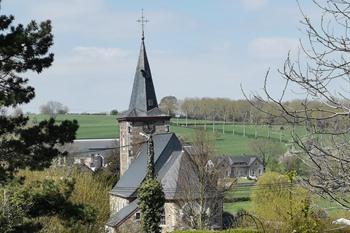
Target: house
pixel 92 153
pixel 172 163
pixel 240 166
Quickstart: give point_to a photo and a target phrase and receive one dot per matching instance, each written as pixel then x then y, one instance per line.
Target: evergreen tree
pixel 151 196
pixel 27 145
pixel 22 49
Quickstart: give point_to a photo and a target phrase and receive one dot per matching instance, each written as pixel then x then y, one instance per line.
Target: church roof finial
pixel 142 20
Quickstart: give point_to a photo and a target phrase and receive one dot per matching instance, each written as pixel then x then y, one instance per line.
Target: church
pixel 172 162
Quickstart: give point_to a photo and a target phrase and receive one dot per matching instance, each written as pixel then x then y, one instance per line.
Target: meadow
pixel 230 138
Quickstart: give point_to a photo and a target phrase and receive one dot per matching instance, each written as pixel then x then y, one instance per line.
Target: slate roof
pixel 238 161
pixel 87 145
pixel 143 101
pixel 124 213
pixel 244 160
pixel 167 149
pixel 172 168
pixel 84 147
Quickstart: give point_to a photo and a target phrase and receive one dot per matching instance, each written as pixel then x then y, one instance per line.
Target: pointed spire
pixel 143 96
pixel 143 101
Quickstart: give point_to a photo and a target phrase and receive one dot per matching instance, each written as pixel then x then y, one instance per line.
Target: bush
pixel 88 190
pixel 283 207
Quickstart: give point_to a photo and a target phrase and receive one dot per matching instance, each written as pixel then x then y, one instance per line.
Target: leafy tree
pixel 23 203
pixel 114 112
pixel 90 189
pixel 283 206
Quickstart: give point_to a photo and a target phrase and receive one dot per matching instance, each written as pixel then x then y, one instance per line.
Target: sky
pixel 196 48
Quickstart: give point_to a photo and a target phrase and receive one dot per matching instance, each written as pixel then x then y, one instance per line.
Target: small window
pixel 162 218
pixel 167 128
pixel 138 216
pixel 150 102
pixel 129 129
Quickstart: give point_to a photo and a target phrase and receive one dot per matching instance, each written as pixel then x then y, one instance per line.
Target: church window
pixel 129 129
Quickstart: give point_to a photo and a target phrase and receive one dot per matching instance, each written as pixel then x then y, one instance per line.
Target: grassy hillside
pixel 91 126
pixel 234 139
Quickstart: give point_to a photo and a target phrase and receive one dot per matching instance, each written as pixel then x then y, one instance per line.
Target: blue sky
pixel 196 48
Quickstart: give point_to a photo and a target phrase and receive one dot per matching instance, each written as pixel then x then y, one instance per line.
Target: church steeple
pixel 143 96
pixel 143 110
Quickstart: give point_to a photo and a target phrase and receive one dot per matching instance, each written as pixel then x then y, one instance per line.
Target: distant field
pixel 234 139
pixel 91 126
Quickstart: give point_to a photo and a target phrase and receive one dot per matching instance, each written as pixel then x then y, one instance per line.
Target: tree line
pixel 250 111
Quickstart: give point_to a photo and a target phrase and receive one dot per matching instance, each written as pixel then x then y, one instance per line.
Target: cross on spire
pixel 142 20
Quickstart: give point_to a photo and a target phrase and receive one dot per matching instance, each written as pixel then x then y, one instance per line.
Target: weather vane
pixel 142 21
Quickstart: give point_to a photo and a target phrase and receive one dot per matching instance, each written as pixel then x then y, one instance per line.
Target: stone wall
pixel 131 140
pixel 172 214
pixel 172 217
pixel 116 203
pixel 124 140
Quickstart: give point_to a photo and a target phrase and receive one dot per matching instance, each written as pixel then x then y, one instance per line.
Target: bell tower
pixel 143 110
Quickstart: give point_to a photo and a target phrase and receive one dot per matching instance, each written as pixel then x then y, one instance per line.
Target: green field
pixel 234 207
pixel 90 126
pixel 230 138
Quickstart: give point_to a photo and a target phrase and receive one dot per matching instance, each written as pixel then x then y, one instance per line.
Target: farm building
pixel 172 161
pixel 240 166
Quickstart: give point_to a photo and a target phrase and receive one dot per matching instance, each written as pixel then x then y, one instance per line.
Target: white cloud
pixel 97 54
pixel 272 47
pixel 253 4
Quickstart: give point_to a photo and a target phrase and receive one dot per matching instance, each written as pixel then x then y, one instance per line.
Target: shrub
pixel 88 190
pixel 283 207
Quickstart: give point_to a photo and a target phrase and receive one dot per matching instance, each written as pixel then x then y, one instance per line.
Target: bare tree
pixel 321 72
pixel 201 198
pixel 266 150
pixel 53 108
pixel 169 105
